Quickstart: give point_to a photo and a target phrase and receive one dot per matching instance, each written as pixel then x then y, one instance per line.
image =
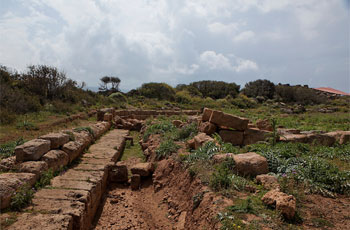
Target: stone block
pixel 32 150
pixel 57 139
pixel 201 139
pixel 32 221
pixel 56 159
pixel 232 136
pixel 135 182
pixel 252 136
pixel 207 127
pixel 143 169
pixel 250 164
pixel 227 120
pixel 118 173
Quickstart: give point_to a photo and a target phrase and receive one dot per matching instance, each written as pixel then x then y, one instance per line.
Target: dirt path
pixel 123 208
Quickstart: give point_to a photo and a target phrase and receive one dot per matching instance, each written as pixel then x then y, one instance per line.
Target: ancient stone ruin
pixel 74 197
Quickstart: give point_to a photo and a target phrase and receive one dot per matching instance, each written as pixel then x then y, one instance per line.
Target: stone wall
pixel 51 151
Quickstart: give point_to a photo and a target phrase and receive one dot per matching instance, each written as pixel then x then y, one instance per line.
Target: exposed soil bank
pixel 169 200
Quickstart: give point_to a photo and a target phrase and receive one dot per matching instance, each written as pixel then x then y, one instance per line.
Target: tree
pixel 161 91
pixel 106 81
pixel 215 89
pixel 263 88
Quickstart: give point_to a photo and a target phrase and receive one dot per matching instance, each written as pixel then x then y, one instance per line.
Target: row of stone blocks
pixel 238 131
pixel 51 151
pixel 74 197
pixel 141 114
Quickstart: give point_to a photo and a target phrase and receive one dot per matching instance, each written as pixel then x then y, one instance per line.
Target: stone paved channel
pixel 74 196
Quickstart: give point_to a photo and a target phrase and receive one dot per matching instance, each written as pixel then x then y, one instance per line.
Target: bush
pixel 262 88
pixel 6 117
pixel 161 91
pixel 8 149
pixel 166 148
pixel 186 131
pixel 216 89
pixel 298 94
pixel 242 102
pixel 183 97
pixel 298 161
pixel 21 198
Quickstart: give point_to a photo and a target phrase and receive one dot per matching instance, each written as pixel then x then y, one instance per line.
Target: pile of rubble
pixel 233 129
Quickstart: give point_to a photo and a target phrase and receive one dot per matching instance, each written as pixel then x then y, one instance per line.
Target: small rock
pixel 201 139
pixel 284 203
pixel 268 181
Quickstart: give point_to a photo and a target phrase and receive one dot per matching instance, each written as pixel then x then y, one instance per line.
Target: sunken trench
pixel 102 188
pixel 146 192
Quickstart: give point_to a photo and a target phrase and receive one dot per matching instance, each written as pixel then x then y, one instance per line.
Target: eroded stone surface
pixel 251 164
pixel 32 150
pixel 56 159
pixel 10 182
pixel 73 149
pixel 207 127
pixel 35 167
pixel 268 181
pixel 286 204
pixel 227 120
pixel 201 139
pixel 232 136
pixel 143 169
pixel 37 221
pixel 56 139
pixel 252 136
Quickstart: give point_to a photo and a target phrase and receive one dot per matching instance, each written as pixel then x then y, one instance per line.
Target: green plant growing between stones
pixel 45 179
pixel 166 148
pixel 86 129
pixel 21 198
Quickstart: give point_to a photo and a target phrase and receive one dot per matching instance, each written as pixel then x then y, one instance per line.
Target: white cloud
pixel 244 36
pixel 220 28
pixel 215 61
pixel 182 40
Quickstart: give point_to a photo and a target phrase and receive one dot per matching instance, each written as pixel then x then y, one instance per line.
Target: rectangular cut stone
pixel 38 221
pixel 82 196
pixel 94 188
pixel 223 119
pixel 10 182
pixel 32 150
pixel 232 136
pixel 56 139
pixel 90 167
pixel 73 149
pixel 76 209
pixel 56 159
pixel 206 114
pixel 252 136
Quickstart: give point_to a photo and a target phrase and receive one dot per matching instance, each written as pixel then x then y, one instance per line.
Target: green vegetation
pixel 86 129
pixel 133 150
pixel 8 149
pixel 22 198
pixel 306 164
pixel 166 148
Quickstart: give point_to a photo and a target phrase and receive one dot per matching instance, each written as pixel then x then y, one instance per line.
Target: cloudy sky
pixel 180 41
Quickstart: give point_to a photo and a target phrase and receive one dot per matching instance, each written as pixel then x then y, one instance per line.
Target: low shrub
pixel 8 149
pixel 22 198
pixel 166 148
